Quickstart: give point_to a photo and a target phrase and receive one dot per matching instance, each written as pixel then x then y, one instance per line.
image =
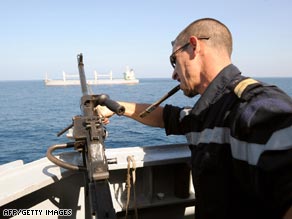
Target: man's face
pixel 185 68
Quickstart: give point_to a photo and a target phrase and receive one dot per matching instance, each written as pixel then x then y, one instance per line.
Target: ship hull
pixel 163 185
pixel 89 82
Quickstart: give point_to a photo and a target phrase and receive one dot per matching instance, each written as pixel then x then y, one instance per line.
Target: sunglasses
pixel 172 58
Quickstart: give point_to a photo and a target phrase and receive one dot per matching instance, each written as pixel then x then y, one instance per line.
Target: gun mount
pixel 89 135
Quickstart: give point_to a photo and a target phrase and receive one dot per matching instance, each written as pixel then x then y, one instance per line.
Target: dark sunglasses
pixel 172 58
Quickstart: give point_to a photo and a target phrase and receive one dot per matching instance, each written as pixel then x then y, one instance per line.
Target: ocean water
pixel 31 115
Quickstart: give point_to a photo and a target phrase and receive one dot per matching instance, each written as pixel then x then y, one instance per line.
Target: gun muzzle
pixel 153 106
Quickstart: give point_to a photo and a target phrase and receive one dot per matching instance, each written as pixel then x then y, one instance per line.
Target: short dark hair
pixel 220 36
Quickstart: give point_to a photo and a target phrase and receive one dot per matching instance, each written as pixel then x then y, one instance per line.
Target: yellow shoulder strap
pixel 239 89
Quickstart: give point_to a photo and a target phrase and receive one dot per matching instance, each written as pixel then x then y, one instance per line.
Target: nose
pixel 174 75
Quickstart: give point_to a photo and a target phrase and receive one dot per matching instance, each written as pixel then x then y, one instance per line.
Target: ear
pixel 194 42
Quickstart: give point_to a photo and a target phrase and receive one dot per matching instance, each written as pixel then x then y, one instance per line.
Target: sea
pixel 31 115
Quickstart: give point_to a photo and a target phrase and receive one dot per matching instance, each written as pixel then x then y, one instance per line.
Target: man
pixel 239 131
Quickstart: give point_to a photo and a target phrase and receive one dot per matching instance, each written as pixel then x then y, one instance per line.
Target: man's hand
pixel 105 113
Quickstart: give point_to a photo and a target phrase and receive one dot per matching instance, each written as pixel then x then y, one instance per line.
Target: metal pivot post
pixel 89 134
pixel 89 127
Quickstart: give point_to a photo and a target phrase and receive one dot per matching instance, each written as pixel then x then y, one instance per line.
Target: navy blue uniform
pixel 240 135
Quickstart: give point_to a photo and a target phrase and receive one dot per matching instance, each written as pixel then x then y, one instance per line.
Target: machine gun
pixel 89 134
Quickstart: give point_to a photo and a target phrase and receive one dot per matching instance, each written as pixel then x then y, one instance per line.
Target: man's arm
pixel 155 118
pixel 132 110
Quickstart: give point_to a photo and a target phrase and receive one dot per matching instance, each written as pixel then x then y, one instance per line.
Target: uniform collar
pixel 215 89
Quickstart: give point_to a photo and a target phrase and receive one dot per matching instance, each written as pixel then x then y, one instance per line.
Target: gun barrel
pixel 82 74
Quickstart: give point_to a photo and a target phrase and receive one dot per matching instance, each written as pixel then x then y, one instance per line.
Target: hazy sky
pixel 45 36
